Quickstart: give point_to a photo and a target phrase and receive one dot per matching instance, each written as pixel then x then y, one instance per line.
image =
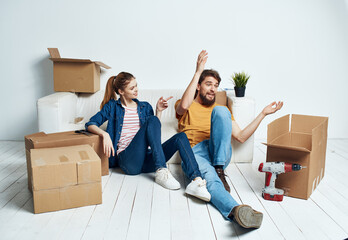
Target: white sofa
pixel 65 111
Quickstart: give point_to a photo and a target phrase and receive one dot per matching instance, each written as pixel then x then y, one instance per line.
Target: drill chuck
pixel 296 167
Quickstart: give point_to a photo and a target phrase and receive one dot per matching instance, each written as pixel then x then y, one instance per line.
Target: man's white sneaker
pixel 198 188
pixel 166 179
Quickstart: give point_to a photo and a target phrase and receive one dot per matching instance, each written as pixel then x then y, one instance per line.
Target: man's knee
pixel 208 172
pixel 221 112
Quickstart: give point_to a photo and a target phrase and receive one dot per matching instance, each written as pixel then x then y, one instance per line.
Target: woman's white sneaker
pixel 165 179
pixel 198 189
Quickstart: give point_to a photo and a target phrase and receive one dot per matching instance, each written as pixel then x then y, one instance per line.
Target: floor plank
pixel 139 225
pixel 118 224
pixel 181 227
pixel 13 226
pixel 249 197
pixel 100 219
pixel 9 149
pixel 160 227
pixel 199 215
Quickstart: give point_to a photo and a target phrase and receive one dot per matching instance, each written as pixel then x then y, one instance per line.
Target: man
pixel 208 127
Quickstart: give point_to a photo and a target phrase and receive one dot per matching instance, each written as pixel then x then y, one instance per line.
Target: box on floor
pixel 65 177
pixel 305 144
pixel 75 75
pixel 64 139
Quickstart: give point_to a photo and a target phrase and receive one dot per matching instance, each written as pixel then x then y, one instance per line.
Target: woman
pixel 132 128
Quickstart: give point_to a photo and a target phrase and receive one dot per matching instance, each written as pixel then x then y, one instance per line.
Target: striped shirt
pixel 130 127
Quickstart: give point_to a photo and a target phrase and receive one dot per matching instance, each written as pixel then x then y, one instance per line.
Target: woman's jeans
pixel 139 158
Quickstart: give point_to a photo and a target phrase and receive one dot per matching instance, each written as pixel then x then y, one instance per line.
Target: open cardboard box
pixel 305 144
pixel 64 139
pixel 65 177
pixel 75 75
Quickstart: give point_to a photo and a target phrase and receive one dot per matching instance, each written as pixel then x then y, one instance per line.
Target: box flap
pixel 71 60
pixel 102 65
pixel 319 140
pixel 277 128
pixel 55 57
pixel 300 149
pixel 305 123
pixel 319 133
pixel 54 52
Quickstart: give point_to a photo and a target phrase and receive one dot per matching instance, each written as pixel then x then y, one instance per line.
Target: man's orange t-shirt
pixel 195 122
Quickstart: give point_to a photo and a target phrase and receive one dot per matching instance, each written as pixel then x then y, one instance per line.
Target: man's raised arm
pixel 189 94
pixel 243 135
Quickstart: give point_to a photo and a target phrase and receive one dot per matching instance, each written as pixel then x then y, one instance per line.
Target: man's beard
pixel 206 101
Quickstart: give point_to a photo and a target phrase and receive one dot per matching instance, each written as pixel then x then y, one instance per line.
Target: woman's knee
pixel 153 121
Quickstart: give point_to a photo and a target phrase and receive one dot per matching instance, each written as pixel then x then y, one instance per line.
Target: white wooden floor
pixel 134 207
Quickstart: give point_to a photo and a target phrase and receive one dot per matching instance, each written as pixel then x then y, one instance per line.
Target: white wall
pixel 294 50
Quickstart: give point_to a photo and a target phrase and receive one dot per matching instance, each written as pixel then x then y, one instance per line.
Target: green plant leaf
pixel 240 79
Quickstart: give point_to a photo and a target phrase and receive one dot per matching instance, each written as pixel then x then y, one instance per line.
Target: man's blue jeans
pixel 216 151
pixel 138 158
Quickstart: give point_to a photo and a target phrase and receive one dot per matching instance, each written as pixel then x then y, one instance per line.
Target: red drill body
pixel 272 169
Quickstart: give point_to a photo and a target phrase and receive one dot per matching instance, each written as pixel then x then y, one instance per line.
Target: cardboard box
pixel 67 197
pixel 64 139
pixel 75 75
pixel 304 143
pixel 65 177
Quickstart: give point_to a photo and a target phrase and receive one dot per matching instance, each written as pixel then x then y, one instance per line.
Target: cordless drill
pixel 272 169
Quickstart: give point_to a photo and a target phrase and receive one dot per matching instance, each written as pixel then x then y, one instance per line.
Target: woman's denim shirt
pixel 113 112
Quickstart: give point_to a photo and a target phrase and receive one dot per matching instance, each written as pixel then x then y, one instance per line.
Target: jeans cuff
pixel 227 218
pixel 221 163
pixel 160 166
pixel 195 175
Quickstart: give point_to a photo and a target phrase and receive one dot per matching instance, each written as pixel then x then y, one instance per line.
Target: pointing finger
pixel 168 98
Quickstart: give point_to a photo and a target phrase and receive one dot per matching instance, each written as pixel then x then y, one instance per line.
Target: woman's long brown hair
pixel 114 84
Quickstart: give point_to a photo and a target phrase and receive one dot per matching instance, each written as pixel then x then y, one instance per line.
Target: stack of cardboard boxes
pixel 65 177
pixel 65 169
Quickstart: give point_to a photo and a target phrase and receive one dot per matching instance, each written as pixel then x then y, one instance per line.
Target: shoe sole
pixel 197 196
pixel 249 218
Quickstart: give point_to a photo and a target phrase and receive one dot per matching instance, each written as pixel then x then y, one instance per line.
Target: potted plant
pixel 240 80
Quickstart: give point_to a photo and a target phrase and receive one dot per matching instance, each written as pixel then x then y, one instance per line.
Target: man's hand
pixel 162 103
pixel 201 61
pixel 272 108
pixel 189 94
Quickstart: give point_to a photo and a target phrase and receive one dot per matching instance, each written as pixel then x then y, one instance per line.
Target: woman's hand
pixel 162 103
pixel 272 108
pixel 107 145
